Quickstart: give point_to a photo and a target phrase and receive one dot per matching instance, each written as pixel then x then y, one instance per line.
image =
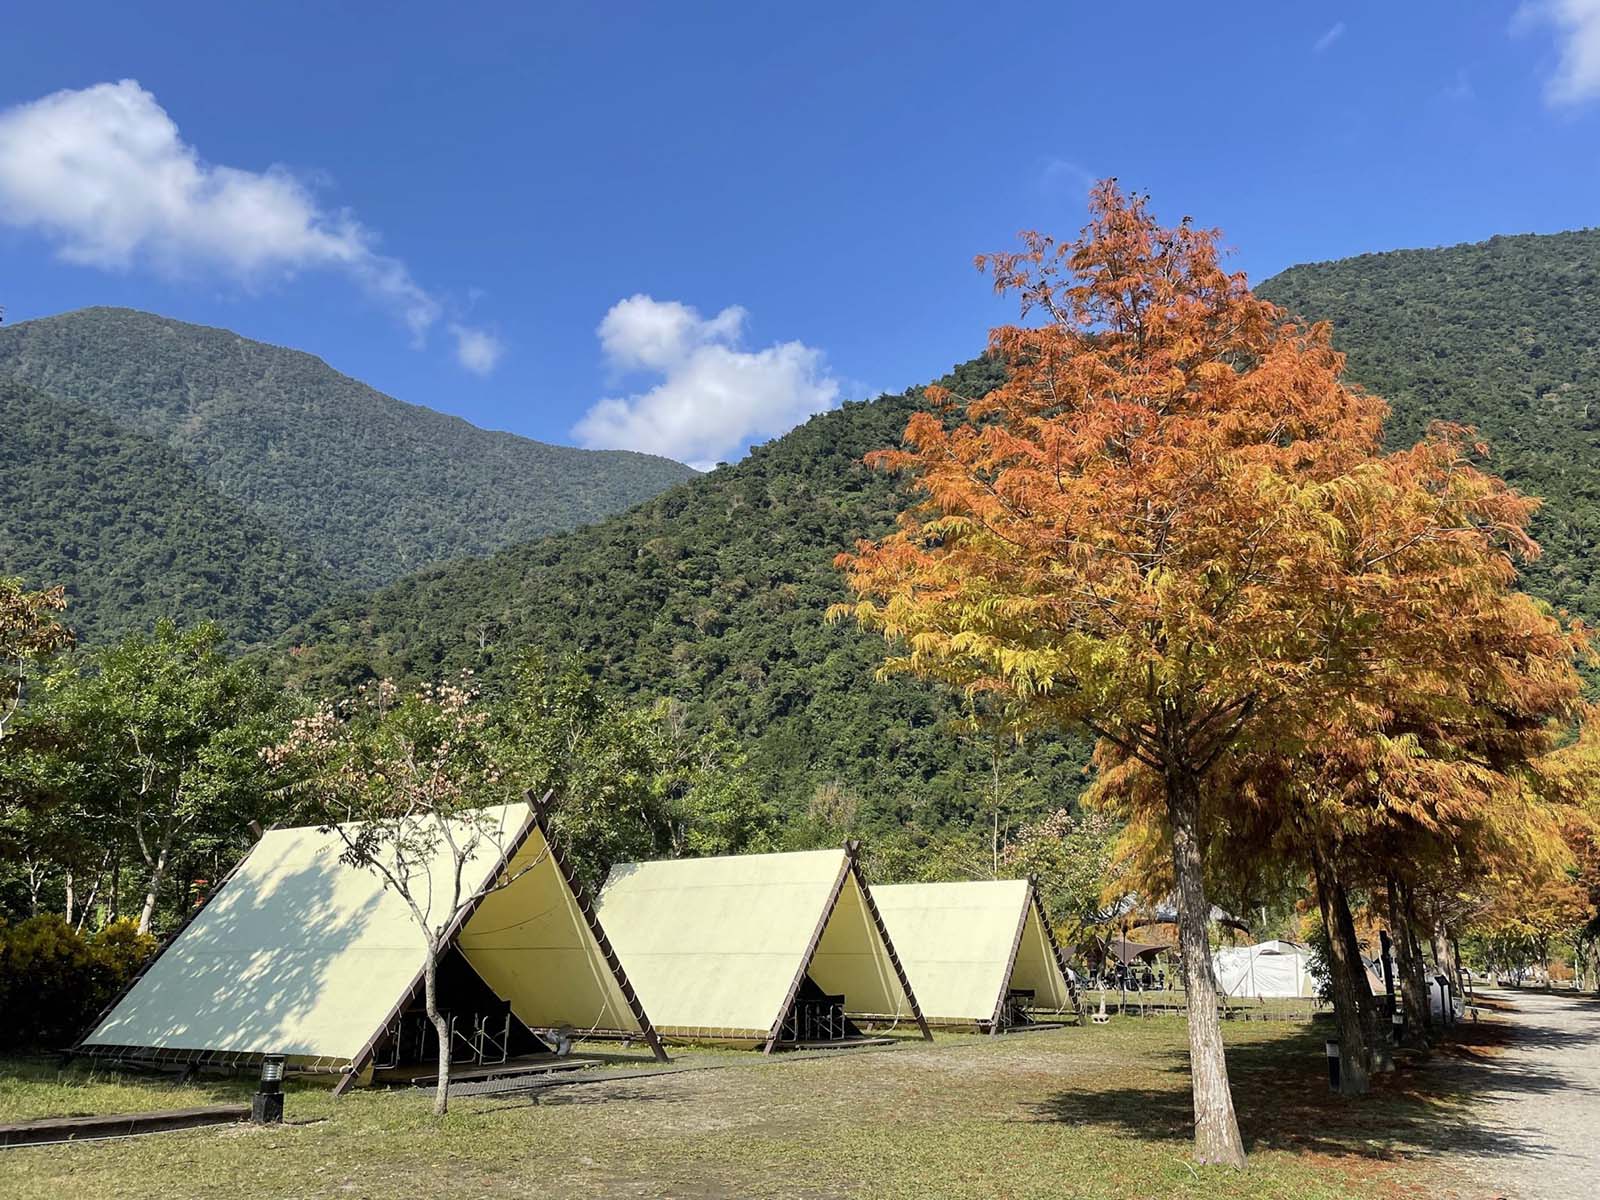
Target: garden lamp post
pixel 266 1105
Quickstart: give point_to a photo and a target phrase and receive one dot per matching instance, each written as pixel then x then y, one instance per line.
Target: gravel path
pixel 1539 1123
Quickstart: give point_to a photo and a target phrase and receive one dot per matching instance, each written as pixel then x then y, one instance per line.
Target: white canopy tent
pixel 1265 970
pixel 968 946
pixel 722 948
pixel 300 954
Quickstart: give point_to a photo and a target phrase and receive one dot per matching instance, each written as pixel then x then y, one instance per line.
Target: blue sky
pixel 683 227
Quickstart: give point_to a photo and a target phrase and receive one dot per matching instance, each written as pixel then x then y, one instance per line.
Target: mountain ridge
pixel 134 534
pixel 372 487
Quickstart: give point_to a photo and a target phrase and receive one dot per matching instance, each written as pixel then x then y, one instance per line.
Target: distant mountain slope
pixel 133 533
pixel 713 594
pixel 367 486
pixel 1503 335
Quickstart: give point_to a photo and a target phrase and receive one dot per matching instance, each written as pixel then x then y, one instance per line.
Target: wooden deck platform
pixel 838 1043
pixel 527 1064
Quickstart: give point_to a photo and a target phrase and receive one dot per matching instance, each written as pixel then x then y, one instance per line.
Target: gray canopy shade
pixel 1136 911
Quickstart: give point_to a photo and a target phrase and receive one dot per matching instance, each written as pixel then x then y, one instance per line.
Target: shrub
pixel 54 981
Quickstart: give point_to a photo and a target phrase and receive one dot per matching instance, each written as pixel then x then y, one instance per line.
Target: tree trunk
pixel 72 899
pixel 1216 1129
pixel 1417 977
pixel 1455 962
pixel 35 883
pixel 441 1029
pixel 1414 1001
pixel 1354 1055
pixel 87 908
pixel 158 876
pixel 1380 1048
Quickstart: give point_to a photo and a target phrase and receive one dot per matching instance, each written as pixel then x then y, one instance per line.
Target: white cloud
pixel 105 175
pixel 641 332
pixel 1334 33
pixel 477 350
pixel 713 397
pixel 1577 24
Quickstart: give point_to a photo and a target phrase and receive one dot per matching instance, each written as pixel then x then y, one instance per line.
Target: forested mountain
pixel 713 593
pixel 1503 335
pixel 134 533
pixel 365 486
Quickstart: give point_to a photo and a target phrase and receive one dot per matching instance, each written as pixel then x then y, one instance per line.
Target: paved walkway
pixel 1540 1114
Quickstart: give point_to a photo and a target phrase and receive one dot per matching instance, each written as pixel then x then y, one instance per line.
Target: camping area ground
pixel 1081 1112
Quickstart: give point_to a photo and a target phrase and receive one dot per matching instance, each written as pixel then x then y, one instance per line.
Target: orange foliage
pixel 1173 524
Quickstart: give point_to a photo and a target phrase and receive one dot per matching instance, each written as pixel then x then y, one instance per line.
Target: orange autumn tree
pixel 1171 525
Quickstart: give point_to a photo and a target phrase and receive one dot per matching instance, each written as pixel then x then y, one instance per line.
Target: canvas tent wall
pixel 967 947
pixel 298 953
pixel 722 948
pixel 1265 970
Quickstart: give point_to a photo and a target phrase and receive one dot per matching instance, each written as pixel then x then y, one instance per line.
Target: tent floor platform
pixel 851 1043
pixel 527 1064
pixel 1035 1027
pixel 111 1125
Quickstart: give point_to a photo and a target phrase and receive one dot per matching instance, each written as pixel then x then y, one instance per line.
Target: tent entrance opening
pixel 483 1029
pixel 817 1017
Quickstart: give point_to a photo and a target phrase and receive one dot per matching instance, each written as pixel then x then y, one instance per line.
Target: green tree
pixel 629 782
pixel 29 632
pixel 1072 858
pixel 166 732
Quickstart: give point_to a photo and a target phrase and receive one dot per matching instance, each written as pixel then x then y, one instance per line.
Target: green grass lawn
pixel 1081 1112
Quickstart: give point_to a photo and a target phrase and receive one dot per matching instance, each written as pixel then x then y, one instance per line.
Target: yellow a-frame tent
pixel 969 948
pixel 300 954
pixel 731 948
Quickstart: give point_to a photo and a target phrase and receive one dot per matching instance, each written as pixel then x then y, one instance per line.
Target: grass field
pixel 1082 1112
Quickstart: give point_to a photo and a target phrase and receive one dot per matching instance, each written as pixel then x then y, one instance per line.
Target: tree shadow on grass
pixel 1282 1099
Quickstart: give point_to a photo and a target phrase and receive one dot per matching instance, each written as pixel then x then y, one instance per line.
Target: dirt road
pixel 1540 1101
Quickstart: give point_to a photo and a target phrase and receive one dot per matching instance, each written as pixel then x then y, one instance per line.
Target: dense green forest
pixel 134 534
pixel 1503 335
pixel 713 593
pixel 362 485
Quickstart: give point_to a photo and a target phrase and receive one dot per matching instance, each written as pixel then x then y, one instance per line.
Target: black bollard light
pixel 1332 1050
pixel 266 1106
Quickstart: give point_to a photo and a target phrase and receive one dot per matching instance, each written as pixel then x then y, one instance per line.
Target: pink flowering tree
pixel 404 779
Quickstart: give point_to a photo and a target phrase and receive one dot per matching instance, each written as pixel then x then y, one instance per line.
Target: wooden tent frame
pixel 537 820
pixel 1036 906
pixel 852 867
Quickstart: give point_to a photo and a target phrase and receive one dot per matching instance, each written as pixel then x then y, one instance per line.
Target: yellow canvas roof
pixel 717 947
pixel 964 945
pixel 301 954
